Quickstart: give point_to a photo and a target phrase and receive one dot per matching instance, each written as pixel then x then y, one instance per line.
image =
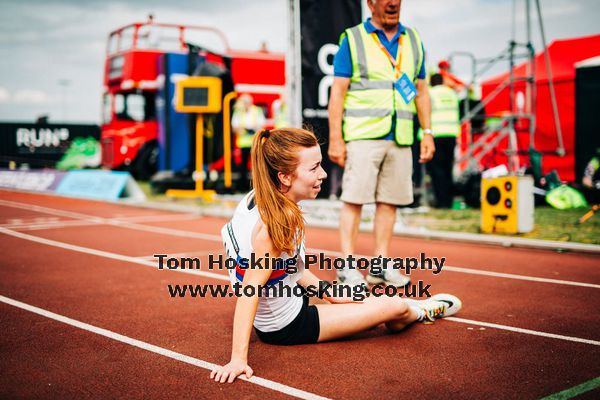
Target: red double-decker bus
pixel 133 79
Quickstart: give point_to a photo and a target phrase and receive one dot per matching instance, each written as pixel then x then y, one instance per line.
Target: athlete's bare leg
pixel 342 320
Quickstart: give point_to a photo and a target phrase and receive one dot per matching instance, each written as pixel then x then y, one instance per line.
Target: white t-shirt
pixel 275 312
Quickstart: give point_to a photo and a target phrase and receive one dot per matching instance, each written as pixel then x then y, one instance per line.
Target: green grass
pixel 550 223
pixel 145 186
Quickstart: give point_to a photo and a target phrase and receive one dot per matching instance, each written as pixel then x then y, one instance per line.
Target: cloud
pixel 483 27
pixel 44 41
pixel 30 96
pixel 4 95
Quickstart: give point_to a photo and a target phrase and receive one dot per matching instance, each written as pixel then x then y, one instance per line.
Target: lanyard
pixel 396 63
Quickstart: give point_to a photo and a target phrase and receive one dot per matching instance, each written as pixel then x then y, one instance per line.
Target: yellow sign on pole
pixel 198 94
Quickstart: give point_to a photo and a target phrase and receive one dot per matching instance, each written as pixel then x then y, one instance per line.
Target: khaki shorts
pixel 377 171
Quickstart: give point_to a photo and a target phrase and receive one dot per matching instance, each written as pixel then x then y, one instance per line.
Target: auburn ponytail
pixel 273 152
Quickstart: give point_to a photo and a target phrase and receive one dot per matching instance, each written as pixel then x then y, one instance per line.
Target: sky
pixel 52 51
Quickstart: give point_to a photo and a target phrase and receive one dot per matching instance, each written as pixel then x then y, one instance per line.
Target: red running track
pixel 86 314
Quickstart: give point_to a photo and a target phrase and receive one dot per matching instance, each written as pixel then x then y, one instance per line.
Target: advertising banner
pixel 321 24
pixel 44 145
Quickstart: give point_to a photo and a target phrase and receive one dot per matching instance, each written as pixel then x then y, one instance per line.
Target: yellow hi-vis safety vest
pixel 445 120
pixel 371 98
pixel 280 111
pixel 249 122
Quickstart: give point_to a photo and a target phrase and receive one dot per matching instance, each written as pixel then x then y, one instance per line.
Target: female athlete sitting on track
pixel 286 168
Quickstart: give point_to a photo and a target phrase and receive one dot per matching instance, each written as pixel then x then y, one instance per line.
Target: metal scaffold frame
pixel 494 134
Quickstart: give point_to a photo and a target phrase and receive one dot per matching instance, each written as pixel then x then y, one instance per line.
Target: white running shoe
pixel 440 306
pixel 390 276
pixel 351 277
pixel 453 303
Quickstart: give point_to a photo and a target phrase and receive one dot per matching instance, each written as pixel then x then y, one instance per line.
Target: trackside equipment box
pixel 507 204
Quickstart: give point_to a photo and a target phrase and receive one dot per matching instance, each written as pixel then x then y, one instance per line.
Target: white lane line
pixel 57 224
pixel 50 225
pixel 30 220
pixel 106 254
pixel 51 211
pixel 187 254
pixel 108 221
pixel 87 217
pixel 525 331
pixel 94 219
pixel 520 277
pixel 134 260
pixel 217 238
pixel 157 218
pixel 478 271
pixel 275 386
pixel 168 231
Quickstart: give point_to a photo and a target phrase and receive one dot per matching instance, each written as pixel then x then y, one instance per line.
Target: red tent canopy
pixel 563 55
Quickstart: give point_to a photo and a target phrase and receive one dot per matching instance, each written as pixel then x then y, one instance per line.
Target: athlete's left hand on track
pixel 427 149
pixel 228 373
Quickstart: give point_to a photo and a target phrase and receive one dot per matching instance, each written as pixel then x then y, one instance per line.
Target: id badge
pixel 406 88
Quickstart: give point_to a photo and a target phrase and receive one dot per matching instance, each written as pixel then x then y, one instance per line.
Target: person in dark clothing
pixel 445 124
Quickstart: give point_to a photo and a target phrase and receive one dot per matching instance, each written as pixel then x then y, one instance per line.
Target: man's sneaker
pixel 391 277
pixel 440 306
pixel 351 276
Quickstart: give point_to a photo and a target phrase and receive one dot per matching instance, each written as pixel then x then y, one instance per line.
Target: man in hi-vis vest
pixel 247 119
pixel 379 82
pixel 445 123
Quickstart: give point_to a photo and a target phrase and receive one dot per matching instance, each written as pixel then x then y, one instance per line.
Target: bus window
pixel 113 43
pixel 126 42
pixel 149 106
pixel 148 37
pixel 167 39
pixel 106 111
pixel 135 106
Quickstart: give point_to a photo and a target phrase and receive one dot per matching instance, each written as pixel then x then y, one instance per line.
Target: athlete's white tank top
pixel 273 313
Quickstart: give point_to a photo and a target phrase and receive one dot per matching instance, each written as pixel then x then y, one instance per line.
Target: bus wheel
pixel 146 162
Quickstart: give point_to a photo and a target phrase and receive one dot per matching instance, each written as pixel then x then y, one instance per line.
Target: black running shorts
pixel 304 329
